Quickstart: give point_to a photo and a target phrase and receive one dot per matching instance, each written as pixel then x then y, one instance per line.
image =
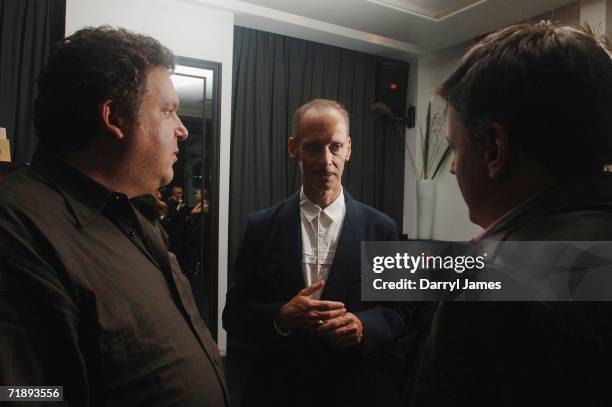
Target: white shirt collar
pixel 334 211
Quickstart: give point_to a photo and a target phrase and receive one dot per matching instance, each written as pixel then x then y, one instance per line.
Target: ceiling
pixel 396 28
pixel 433 9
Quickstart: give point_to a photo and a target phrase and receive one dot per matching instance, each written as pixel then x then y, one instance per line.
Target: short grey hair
pixel 317 104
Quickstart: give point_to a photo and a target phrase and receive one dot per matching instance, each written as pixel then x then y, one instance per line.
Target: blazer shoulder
pixel 280 211
pixel 379 225
pixel 373 214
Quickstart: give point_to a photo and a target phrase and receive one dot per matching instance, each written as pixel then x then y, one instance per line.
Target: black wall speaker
pixel 392 85
pixel 410 116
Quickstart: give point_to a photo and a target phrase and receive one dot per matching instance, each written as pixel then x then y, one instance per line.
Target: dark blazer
pixel 526 353
pixel 300 369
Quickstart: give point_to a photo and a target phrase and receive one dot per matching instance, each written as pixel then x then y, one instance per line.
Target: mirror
pixel 188 206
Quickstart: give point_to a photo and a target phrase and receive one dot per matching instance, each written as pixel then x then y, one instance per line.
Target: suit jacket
pixel 526 353
pixel 300 369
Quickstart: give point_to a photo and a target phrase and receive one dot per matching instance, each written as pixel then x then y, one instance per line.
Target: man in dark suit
pixel 297 284
pixel 91 298
pixel 530 168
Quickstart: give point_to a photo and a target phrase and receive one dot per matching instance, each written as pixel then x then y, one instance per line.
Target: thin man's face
pixel 322 150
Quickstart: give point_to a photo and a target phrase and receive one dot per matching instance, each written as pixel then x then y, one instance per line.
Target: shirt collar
pixel 147 205
pixel 334 211
pixel 85 197
pixel 505 216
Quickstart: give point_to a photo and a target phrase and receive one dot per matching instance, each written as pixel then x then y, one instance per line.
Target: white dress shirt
pixel 320 233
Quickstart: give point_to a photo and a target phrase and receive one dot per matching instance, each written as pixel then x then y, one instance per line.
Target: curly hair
pixel 85 69
pixel 549 86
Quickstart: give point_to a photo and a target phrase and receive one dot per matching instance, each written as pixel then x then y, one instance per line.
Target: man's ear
pixel 292 146
pixel 348 155
pixel 112 121
pixel 497 152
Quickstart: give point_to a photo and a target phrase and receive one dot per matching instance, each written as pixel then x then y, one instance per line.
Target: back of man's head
pixel 84 70
pixel 550 87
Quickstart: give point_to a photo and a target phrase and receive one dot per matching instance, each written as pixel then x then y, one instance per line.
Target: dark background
pixel 272 76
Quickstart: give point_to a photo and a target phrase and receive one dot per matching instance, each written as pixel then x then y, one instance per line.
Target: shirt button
pixel 132 233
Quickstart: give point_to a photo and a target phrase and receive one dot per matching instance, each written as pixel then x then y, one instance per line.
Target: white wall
pixel 194 31
pixel 609 19
pixel 598 13
pixel 451 221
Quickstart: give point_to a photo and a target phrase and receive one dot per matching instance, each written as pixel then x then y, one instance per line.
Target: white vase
pixel 426 199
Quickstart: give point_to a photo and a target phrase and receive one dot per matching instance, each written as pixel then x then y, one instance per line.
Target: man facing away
pixel 297 284
pixel 91 298
pixel 530 125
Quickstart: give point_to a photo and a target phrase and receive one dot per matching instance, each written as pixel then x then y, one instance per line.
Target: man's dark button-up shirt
pixel 91 299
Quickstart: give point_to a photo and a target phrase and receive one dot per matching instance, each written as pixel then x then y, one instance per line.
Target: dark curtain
pixel 28 29
pixel 272 76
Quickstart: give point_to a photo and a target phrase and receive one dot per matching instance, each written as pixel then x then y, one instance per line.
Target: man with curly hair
pixel 91 298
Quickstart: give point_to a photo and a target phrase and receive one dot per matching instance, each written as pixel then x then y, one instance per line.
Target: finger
pixel 347 330
pixel 344 319
pixel 353 337
pixel 331 325
pixel 311 326
pixel 336 323
pixel 312 288
pixel 325 305
pixel 327 315
pixel 313 316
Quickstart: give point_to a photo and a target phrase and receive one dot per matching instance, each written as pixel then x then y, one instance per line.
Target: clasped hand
pixel 328 319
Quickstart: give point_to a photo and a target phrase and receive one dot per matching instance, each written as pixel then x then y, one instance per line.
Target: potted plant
pixel 434 151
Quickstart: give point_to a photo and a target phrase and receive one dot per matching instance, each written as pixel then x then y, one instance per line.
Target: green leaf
pixel 443 159
pixel 426 146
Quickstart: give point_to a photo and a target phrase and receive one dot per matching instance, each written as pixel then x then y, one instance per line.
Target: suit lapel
pixel 344 261
pixel 289 232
